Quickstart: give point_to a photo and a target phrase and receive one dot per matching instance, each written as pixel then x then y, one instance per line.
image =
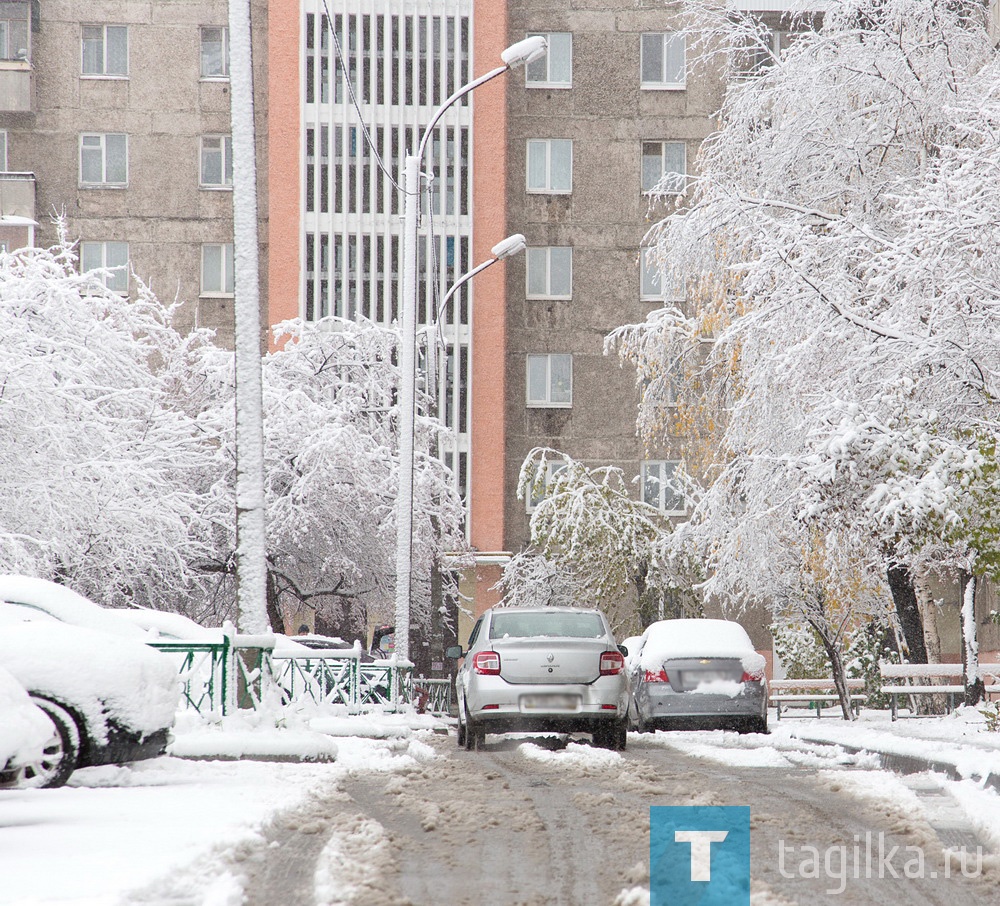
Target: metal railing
pixel 242 671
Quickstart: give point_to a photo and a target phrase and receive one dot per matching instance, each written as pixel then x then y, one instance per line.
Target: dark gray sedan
pixel 699 673
pixel 548 669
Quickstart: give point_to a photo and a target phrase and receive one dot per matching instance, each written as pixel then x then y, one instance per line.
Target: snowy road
pixel 537 823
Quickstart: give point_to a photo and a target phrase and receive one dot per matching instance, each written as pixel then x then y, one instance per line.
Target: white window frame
pixel 102 72
pixel 541 257
pixel 665 81
pixel 101 146
pixel 545 361
pixel 680 178
pixel 4 150
pixel 226 278
pixel 533 499
pixel 542 151
pixel 98 256
pixel 651 279
pixel 225 163
pixel 539 73
pixel 8 53
pixel 663 485
pixel 214 76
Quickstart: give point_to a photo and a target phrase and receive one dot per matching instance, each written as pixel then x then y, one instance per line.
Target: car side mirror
pixel 454 652
pixel 623 650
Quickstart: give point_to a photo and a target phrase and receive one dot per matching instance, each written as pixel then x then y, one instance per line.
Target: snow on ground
pixel 168 827
pixel 959 739
pixel 576 756
pixel 752 750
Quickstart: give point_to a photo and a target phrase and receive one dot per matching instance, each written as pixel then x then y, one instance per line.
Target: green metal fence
pixel 244 671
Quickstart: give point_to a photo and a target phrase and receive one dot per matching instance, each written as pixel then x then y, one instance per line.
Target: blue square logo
pixel 699 855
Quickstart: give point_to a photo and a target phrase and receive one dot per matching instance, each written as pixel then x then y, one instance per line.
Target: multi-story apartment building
pixel 114 120
pixel 566 152
pixel 114 116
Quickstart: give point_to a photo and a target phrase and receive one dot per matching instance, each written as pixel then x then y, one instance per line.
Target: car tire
pixel 610 735
pixel 475 737
pixel 61 753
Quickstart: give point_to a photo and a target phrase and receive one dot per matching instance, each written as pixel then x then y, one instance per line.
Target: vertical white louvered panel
pixel 405 57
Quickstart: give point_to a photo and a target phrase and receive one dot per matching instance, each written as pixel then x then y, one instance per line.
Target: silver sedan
pixel 549 669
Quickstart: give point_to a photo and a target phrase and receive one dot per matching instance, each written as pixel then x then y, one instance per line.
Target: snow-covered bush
pixel 102 466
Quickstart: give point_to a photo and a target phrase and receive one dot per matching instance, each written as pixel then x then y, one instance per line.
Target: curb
pixel 912 764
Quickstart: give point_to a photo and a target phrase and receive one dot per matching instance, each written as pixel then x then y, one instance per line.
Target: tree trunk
pixel 273 608
pixel 836 666
pixel 975 688
pixel 904 596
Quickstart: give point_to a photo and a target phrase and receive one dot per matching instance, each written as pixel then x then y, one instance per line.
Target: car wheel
pixel 760 724
pixel 61 752
pixel 475 736
pixel 621 735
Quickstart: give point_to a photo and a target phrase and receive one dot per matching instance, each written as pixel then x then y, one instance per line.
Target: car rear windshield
pixel 557 625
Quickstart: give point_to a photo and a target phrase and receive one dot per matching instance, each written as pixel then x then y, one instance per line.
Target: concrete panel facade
pixel 607 116
pixel 164 107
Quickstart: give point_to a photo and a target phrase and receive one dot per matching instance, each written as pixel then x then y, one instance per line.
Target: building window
pixel 214 52
pixel 217 277
pixel 550 166
pixel 542 485
pixel 105 51
pixel 554 69
pixel 660 488
pixel 664 165
pixel 3 151
pixel 111 257
pixel 656 285
pixel 15 34
pixel 549 273
pixel 103 159
pixel 216 162
pixel 550 380
pixel 663 63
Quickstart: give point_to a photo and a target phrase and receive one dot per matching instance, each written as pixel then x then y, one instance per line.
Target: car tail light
pixel 751 677
pixel 487 663
pixel 612 663
pixel 659 677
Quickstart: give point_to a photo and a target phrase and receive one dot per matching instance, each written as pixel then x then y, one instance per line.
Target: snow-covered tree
pixel 853 358
pixel 331 466
pixel 530 579
pixel 586 519
pixel 101 463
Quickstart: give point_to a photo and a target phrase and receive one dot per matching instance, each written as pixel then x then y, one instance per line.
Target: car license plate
pixel 691 679
pixel 550 702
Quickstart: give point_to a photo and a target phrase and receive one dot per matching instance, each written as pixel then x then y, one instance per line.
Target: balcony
pixel 17 210
pixel 15 86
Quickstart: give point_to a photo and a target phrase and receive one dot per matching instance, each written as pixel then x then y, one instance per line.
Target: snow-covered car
pixel 699 673
pixel 548 669
pixel 332 644
pixel 40 599
pixel 25 732
pixel 111 699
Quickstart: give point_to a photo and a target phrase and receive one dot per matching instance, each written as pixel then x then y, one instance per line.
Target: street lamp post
pixel 519 54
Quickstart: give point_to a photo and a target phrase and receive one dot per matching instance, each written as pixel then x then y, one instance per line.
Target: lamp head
pixel 512 245
pixel 524 52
